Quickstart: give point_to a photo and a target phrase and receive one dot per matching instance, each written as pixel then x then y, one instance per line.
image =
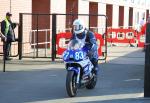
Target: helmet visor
pixel 77 27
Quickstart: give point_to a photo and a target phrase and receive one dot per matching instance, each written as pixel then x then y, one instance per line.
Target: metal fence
pixel 38 33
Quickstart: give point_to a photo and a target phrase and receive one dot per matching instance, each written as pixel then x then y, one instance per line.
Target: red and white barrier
pixel 119 35
pixel 61 46
pixel 100 41
pixel 141 39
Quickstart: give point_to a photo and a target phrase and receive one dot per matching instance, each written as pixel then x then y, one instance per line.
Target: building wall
pixel 109 14
pixel 101 20
pixel 93 9
pixel 101 8
pixel 4 8
pixel 71 8
pixel 16 7
pixel 130 16
pixel 43 21
pixel 126 16
pixel 115 16
pixel 84 4
pixel 61 8
pixel 121 16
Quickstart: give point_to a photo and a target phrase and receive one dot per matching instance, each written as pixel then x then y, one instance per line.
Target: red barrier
pixel 67 35
pixel 141 39
pixel 59 36
pixel 143 29
pixel 121 35
pixel 100 38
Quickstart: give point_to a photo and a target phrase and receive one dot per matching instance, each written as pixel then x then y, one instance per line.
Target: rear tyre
pixel 71 85
pixel 92 82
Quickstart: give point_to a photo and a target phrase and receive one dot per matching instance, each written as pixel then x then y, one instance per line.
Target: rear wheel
pixel 71 85
pixel 92 82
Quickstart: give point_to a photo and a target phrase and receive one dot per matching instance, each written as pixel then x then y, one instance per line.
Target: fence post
pixel 106 37
pixel 20 35
pixel 53 37
pixel 37 35
pixel 4 56
pixel 147 62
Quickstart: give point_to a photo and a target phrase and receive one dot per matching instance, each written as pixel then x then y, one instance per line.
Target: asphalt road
pixel 30 81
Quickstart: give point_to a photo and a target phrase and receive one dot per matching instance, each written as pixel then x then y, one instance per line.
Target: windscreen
pixel 75 44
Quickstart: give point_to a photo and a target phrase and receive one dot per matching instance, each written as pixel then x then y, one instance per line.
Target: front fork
pixel 77 71
pixel 78 76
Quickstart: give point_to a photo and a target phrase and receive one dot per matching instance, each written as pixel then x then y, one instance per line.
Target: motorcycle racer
pixel 87 37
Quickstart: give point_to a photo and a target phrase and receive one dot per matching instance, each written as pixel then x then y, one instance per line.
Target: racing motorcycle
pixel 78 65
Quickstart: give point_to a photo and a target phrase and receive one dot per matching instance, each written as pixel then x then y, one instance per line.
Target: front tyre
pixel 71 85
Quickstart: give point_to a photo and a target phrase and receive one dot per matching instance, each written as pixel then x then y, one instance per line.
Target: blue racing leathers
pixel 90 45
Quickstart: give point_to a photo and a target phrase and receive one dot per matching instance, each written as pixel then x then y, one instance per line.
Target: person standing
pixel 142 22
pixel 140 25
pixel 8 35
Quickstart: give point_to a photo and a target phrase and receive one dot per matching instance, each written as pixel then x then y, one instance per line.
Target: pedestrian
pixel 88 38
pixel 140 25
pixel 142 22
pixel 8 35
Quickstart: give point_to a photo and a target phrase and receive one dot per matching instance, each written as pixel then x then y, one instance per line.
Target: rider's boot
pixel 95 63
pixel 87 75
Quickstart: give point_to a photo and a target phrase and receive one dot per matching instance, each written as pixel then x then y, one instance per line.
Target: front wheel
pixel 71 85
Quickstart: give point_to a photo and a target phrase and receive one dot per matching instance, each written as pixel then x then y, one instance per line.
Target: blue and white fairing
pixel 76 53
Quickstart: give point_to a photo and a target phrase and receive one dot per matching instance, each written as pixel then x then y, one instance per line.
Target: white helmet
pixel 78 26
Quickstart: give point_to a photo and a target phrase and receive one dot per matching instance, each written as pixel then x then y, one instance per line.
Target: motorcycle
pixel 78 65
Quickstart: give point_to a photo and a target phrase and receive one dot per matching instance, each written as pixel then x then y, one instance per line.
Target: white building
pixel 120 13
pixel 121 9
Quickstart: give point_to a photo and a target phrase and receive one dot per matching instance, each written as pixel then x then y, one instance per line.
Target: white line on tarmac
pixel 94 98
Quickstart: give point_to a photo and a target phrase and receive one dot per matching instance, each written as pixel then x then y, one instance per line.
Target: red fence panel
pixel 141 39
pixel 101 41
pixel 59 36
pixel 120 35
pixel 67 35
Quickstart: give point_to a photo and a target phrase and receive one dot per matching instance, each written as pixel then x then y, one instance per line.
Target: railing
pixel 47 41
